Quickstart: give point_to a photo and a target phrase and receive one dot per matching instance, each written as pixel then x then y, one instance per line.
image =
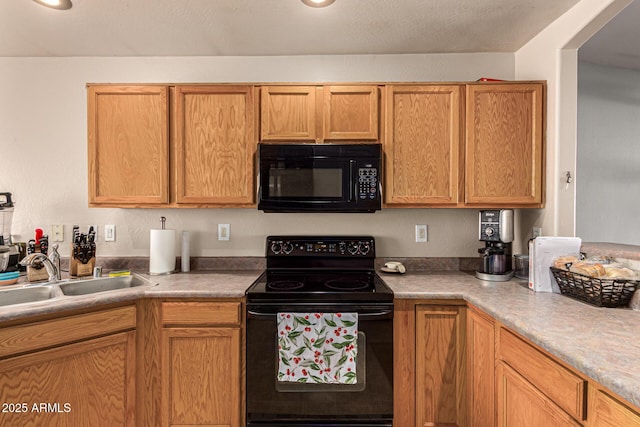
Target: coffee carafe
pixel 496 231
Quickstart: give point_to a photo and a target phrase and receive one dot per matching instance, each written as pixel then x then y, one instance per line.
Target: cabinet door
pixel 215 145
pixel 201 377
pixel 128 145
pixel 91 383
pixel 350 112
pixel 288 113
pixel 504 144
pixel 422 146
pixel 481 369
pixel 606 411
pixel 440 367
pixel 521 405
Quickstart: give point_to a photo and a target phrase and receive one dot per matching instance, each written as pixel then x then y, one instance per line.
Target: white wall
pixel 608 174
pixel 552 56
pixel 44 157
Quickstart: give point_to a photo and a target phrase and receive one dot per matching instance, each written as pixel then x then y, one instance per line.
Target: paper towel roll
pixel 162 251
pixel 184 257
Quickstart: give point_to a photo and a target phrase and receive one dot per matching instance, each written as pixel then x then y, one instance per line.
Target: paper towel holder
pixel 162 262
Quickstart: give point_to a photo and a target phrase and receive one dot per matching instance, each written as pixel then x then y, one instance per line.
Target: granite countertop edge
pixel 598 342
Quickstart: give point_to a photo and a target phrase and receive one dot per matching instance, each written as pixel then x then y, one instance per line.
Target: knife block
pixel 77 268
pixel 37 273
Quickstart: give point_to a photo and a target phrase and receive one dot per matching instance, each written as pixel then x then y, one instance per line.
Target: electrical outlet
pixel 95 229
pixel 58 233
pixel 421 233
pixel 109 233
pixel 224 231
pixel 536 232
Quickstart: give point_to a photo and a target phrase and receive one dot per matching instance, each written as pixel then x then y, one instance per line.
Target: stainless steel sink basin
pixel 25 295
pixel 102 284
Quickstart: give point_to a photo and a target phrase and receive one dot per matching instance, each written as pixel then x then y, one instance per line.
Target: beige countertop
pixel 603 343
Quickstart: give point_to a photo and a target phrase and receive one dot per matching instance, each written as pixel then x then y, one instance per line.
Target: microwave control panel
pixel 367 183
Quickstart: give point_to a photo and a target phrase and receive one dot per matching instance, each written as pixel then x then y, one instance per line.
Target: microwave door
pixel 308 181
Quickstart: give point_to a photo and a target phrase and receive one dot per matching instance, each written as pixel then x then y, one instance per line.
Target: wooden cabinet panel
pixel 201 313
pixel 288 113
pixel 504 144
pixel 33 336
pixel 480 370
pixel 606 411
pixel 350 112
pixel 564 388
pixel 440 366
pixel 128 145
pixel 422 145
pixel 215 144
pixel 201 377
pixel 91 383
pixel 521 405
pixel 319 113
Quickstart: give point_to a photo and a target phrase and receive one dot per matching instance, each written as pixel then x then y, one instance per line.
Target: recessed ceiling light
pixel 55 4
pixel 318 3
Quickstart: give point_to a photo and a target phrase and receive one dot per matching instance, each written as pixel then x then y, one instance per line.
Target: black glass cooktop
pixel 319 285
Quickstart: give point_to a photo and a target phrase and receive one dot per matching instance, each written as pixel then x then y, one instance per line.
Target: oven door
pixel 368 402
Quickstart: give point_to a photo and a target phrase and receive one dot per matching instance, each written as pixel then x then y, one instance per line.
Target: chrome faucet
pixel 34 258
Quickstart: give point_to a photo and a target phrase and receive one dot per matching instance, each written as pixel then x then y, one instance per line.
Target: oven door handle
pixel 370 315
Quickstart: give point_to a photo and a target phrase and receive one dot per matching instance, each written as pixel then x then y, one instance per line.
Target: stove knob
pixel 364 248
pixel 276 247
pixel 352 247
pixel 287 248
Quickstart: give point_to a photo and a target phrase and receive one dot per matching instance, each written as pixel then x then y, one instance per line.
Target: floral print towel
pixel 317 347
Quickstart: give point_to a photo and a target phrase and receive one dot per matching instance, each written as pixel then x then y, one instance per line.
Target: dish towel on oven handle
pixel 317 347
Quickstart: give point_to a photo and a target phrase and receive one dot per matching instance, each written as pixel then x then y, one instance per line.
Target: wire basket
pixel 598 292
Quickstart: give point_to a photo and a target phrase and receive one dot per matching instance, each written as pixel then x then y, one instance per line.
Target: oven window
pixel 297 183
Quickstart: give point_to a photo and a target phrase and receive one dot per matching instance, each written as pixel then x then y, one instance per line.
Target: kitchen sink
pixel 102 284
pixel 25 295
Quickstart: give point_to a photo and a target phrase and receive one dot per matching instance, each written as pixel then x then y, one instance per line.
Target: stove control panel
pixel 331 246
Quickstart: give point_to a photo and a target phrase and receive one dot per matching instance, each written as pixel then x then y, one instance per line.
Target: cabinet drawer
pixel 565 388
pixel 50 333
pixel 201 313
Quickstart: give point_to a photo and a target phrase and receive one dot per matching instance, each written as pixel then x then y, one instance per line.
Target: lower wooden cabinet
pixel 429 364
pixel 201 366
pixel 607 411
pixel 89 382
pixel 440 369
pixel 520 404
pixel 480 369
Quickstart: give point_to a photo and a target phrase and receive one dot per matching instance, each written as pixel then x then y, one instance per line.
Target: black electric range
pixel 319 274
pixel 322 269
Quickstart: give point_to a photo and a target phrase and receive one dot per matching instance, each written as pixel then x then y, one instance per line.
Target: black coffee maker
pixel 496 231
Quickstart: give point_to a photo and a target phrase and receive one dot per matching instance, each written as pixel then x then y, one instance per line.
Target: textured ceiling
pixel 271 27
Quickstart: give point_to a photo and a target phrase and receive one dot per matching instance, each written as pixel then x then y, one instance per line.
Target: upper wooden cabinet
pixel 319 113
pixel 215 144
pixel 422 145
pixel 128 145
pixel 211 145
pixel 504 145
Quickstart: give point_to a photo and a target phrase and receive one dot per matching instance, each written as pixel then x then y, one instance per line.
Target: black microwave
pixel 319 177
